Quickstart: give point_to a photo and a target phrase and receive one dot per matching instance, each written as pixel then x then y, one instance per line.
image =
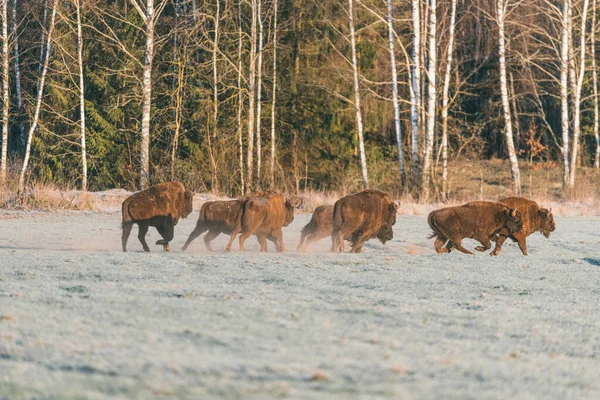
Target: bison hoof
pixel 166 247
pixel 480 248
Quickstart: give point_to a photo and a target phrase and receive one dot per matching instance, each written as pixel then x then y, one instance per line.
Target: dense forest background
pixel 238 95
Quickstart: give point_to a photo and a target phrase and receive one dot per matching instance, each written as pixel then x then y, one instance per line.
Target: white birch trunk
pixel 395 94
pixel 564 90
pixel 5 94
pixel 147 97
pixel 240 98
pixel 38 103
pixel 595 87
pixel 18 71
pixel 512 154
pixel 84 183
pixel 252 94
pixel 431 99
pixel 359 123
pixel 577 100
pixel 445 101
pixel 415 103
pixel 43 41
pixel 274 100
pixel 259 97
pixel 214 64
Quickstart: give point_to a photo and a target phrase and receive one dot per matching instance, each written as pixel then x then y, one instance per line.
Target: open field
pixel 80 319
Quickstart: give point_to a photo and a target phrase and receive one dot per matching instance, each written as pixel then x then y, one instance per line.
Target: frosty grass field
pixel 81 319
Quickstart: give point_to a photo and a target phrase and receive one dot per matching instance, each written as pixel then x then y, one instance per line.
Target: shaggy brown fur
pixel 216 217
pixel 535 219
pixel 363 216
pixel 479 220
pixel 264 215
pixel 160 206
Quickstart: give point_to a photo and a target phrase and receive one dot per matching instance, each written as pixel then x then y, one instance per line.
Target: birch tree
pixel 415 93
pixel 512 154
pixel 38 103
pixel 214 66
pixel 577 100
pixel 149 17
pixel 5 94
pixel 84 183
pixel 595 85
pixel 395 94
pixel 274 95
pixel 252 94
pixel 16 56
pixel 431 99
pixel 359 122
pixel 445 101
pixel 564 89
pixel 240 97
pixel 259 96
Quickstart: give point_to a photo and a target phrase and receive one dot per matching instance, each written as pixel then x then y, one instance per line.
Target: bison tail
pixel 337 215
pixel 431 220
pixel 127 218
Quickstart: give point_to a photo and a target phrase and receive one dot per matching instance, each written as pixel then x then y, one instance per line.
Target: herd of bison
pixel 355 218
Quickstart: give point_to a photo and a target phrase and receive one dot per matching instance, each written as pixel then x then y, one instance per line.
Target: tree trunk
pixel 38 103
pixel 252 94
pixel 359 123
pixel 240 98
pixel 595 87
pixel 395 96
pixel 214 65
pixel 577 116
pixel 431 100
pixel 147 97
pixel 415 94
pixel 273 103
pixel 18 72
pixel 512 154
pixel 5 94
pixel 445 102
pixel 564 89
pixel 84 183
pixel 259 97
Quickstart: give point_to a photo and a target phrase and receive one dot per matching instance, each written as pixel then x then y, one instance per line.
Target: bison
pixel 216 217
pixel 264 215
pixel 160 206
pixel 479 220
pixel 535 219
pixel 319 227
pixel 363 216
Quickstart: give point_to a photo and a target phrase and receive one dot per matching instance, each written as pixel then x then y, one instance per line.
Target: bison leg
pixel 198 230
pixel 243 237
pixel 302 245
pixel 498 247
pixel 167 231
pixel 125 235
pixel 459 246
pixel 232 238
pixel 521 240
pixel 142 236
pixel 262 240
pixel 485 241
pixel 439 245
pixel 209 237
pixel 275 242
pixel 277 238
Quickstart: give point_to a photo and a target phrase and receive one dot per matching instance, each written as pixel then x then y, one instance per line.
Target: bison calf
pixel 160 206
pixel 535 219
pixel 216 217
pixel 363 216
pixel 479 220
pixel 319 227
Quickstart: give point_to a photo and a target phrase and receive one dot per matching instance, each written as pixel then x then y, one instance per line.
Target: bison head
pixel 289 213
pixel 188 198
pixel 548 225
pixel 385 233
pixel 392 211
pixel 513 221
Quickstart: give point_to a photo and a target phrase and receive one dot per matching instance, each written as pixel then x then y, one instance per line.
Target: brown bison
pixel 479 220
pixel 160 206
pixel 216 217
pixel 264 215
pixel 319 227
pixel 535 219
pixel 363 216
